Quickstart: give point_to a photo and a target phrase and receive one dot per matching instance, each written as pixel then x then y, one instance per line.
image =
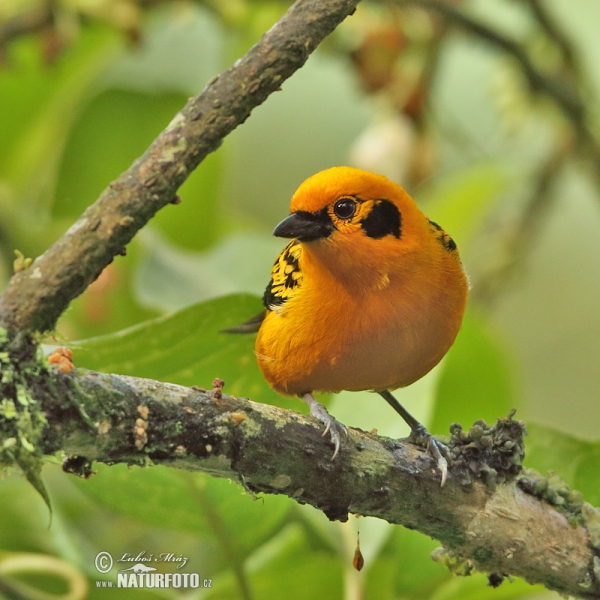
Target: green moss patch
pixel 21 418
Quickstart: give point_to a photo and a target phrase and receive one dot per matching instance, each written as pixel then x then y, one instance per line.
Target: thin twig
pixel 517 238
pixel 562 93
pixel 35 298
pixel 554 33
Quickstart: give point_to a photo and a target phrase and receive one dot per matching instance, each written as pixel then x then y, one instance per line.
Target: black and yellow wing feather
pixel 286 279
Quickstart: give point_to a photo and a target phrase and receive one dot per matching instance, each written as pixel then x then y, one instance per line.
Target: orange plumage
pixel 368 313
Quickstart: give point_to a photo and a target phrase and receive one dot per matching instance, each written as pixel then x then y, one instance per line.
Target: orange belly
pixel 346 344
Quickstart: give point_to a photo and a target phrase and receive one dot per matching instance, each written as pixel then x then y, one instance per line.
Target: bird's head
pixel 343 201
pixel 350 207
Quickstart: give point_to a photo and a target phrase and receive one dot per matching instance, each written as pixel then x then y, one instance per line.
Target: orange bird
pixel 368 295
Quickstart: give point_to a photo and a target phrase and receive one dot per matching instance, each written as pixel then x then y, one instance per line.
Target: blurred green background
pixel 85 85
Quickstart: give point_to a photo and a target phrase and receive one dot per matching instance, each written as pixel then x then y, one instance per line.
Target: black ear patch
pixel 384 219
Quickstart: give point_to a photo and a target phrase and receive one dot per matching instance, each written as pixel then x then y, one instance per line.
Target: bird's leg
pixel 420 435
pixel 333 426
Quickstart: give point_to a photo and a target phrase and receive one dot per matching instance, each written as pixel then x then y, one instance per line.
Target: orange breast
pixel 372 326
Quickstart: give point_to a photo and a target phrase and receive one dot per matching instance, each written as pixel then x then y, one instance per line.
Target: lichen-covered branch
pixel 490 515
pixel 35 298
pixel 486 514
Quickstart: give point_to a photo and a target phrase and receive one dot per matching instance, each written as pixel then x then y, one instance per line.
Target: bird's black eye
pixel 344 208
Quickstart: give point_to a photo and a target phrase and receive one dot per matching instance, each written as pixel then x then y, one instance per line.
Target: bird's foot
pixel 332 426
pixel 421 437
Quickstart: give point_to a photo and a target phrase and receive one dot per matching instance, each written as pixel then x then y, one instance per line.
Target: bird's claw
pixel 332 425
pixel 335 428
pixel 435 449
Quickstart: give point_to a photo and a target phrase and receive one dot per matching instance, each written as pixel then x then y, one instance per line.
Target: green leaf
pixel 577 461
pixel 115 128
pixel 99 593
pixel 286 543
pixel 309 575
pixel 306 575
pixel 187 348
pixel 476 381
pixel 24 517
pixel 193 502
pixel 43 105
pixel 31 466
pixel 166 496
pixel 380 578
pixel 416 575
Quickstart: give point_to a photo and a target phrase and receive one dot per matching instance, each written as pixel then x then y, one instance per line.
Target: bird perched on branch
pixel 368 295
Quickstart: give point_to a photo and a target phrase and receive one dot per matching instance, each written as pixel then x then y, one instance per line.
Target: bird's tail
pixel 250 326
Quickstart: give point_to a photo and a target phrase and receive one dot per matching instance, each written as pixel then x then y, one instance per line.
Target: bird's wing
pixel 444 239
pixel 286 277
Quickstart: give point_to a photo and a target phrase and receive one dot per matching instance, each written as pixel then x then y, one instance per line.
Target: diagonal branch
pixel 554 33
pixel 35 298
pixel 515 239
pixel 498 528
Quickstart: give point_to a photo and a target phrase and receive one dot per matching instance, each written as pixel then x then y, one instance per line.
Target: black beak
pixel 305 226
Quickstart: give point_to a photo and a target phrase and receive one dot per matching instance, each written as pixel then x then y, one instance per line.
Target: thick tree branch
pixel 500 528
pixel 35 298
